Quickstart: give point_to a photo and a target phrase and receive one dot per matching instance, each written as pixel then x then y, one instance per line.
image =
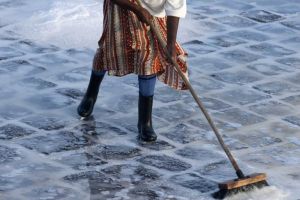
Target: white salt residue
pixel 266 193
pixel 73 24
pixel 294 140
pixel 66 24
pixel 186 31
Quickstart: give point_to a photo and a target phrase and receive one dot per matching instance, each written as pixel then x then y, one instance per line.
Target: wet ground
pixel 244 63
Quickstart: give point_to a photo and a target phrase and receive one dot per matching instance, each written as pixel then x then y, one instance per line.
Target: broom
pixel 242 183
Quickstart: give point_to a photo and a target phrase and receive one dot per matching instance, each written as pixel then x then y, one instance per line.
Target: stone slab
pixel 236 21
pixel 237 77
pixel 11 131
pixel 165 162
pixel 241 56
pixel 239 117
pixel 241 96
pixel 56 142
pixel 262 16
pixel 276 88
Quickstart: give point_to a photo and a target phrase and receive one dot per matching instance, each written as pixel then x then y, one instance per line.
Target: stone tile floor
pixel 244 62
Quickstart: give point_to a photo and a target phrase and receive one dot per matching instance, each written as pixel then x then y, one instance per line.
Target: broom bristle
pixel 250 182
pixel 222 193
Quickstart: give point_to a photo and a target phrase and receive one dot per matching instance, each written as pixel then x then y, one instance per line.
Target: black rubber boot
pixel 86 106
pixel 146 132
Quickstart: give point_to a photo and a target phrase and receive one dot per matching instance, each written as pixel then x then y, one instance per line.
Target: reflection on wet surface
pixel 244 63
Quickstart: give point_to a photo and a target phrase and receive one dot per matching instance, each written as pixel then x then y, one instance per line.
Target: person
pixel 128 45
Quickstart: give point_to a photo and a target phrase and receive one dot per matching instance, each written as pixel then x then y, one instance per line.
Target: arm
pixel 172 28
pixel 141 12
pixel 175 9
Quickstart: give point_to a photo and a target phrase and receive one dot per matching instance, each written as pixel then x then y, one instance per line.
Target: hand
pixel 172 52
pixel 144 16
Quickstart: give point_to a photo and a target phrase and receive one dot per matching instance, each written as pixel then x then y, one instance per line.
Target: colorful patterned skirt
pixel 128 46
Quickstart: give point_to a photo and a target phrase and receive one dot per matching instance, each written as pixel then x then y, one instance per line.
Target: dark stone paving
pixel 84 54
pixel 203 124
pixel 293 120
pixel 210 103
pixel 236 21
pixel 210 26
pixel 243 62
pixel 158 145
pixel 52 192
pixel 143 193
pixel 220 170
pixel 262 16
pixel 257 139
pixel 276 29
pixel 7 53
pixel 206 84
pixel 167 95
pixel 197 16
pixel 165 162
pixel 234 5
pixel 11 111
pixel 28 46
pixel 37 83
pixel 199 47
pixel 241 96
pixel 22 67
pixel 271 108
pixel 8 183
pixel 49 122
pixel 194 182
pixel 100 129
pixel 175 112
pixel 250 35
pixel 11 131
pixel 238 77
pixel 288 9
pixel 71 92
pixel 292 24
pixel 58 142
pixel 283 155
pixel 291 61
pixel 241 56
pixel 226 41
pixel 198 153
pixel 205 65
pixel 208 10
pixel 267 69
pixel 294 100
pixel 98 183
pixel 38 170
pixel 127 103
pixel 271 50
pixel 8 154
pixel 239 117
pixel 75 75
pixel 137 174
pixel 115 152
pixel 49 102
pixel 50 60
pixel 81 161
pixel 292 41
pixel 276 88
pixel 183 133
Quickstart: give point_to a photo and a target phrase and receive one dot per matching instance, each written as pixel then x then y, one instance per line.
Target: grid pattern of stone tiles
pixel 244 64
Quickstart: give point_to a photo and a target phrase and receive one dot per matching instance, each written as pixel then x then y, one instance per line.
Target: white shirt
pixel 161 8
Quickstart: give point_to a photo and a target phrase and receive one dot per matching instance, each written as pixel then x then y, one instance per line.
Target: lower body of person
pixel 128 46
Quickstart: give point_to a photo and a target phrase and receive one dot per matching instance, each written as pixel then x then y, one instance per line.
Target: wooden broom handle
pixel 163 45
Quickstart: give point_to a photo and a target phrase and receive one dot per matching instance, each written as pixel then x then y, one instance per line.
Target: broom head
pixel 228 188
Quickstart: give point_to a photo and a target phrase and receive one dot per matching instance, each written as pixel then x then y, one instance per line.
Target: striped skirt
pixel 128 46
